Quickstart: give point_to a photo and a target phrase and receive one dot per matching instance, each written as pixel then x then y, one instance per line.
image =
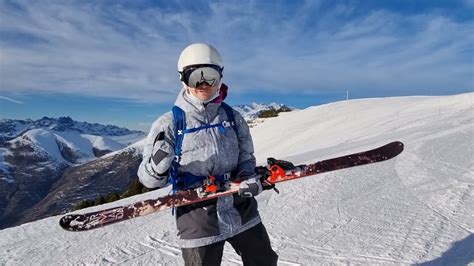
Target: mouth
pixel 203 89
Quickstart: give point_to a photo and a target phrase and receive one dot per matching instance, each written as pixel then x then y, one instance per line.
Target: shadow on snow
pixel 460 253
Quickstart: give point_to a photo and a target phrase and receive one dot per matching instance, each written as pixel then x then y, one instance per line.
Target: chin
pixel 205 97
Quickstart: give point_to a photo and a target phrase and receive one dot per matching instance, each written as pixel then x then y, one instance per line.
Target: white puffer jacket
pixel 204 153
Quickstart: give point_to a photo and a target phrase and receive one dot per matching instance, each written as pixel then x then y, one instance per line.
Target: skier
pixel 215 146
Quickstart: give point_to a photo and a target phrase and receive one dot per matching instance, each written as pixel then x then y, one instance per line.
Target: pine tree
pixel 112 197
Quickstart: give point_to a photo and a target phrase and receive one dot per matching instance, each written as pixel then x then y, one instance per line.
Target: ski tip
pixel 396 146
pixel 65 222
pixel 399 144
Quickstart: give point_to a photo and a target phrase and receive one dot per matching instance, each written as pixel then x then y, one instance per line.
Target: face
pixel 202 80
pixel 204 92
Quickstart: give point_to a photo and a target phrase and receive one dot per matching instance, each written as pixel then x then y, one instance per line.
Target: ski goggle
pixel 196 75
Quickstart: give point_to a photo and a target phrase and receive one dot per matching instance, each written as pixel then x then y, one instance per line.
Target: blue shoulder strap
pixel 180 125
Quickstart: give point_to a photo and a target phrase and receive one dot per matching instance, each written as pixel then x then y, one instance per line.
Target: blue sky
pixel 114 62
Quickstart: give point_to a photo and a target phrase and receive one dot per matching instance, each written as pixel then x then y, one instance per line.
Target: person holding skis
pixel 204 140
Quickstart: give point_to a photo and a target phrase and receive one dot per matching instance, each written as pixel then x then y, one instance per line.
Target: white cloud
pixel 11 100
pixel 111 50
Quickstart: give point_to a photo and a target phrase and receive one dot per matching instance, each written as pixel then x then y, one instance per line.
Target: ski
pixel 277 171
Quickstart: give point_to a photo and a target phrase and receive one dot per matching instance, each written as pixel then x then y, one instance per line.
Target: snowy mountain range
pixel 416 208
pixel 37 162
pixel 10 128
pixel 49 165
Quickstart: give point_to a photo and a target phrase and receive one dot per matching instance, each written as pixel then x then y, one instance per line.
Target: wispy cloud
pixel 11 100
pixel 117 50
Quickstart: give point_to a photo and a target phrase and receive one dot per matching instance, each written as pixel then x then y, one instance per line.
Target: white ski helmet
pixel 199 54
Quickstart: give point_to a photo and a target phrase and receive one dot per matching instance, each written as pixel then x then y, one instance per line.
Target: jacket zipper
pixel 213 137
pixel 224 200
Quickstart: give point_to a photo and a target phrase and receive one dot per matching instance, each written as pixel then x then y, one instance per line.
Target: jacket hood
pixel 222 94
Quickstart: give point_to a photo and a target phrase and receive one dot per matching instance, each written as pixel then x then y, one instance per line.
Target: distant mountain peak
pixel 251 111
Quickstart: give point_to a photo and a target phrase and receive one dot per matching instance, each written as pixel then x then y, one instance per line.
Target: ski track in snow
pixel 414 209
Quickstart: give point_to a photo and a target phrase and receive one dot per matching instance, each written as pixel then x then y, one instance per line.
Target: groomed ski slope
pixel 416 208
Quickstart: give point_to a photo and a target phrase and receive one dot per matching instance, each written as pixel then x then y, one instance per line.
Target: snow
pixel 103 143
pixel 416 208
pixel 46 140
pixel 136 149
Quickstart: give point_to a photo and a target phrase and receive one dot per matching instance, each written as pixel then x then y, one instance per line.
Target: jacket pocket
pixel 197 220
pixel 247 208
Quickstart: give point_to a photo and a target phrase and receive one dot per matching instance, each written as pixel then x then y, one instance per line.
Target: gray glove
pixel 250 187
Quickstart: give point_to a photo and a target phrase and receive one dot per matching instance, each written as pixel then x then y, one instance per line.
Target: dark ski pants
pixel 252 245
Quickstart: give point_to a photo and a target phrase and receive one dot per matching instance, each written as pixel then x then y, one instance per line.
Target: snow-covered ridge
pixel 59 148
pixel 81 148
pixel 327 125
pixel 10 128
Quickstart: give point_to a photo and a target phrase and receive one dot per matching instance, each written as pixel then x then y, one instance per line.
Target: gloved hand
pixel 250 187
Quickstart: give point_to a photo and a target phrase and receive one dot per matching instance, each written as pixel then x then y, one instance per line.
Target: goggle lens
pixel 196 75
